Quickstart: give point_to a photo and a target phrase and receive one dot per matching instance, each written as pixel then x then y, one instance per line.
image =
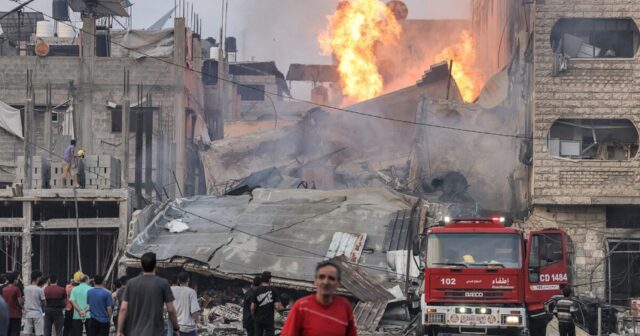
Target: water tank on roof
pixel 66 30
pixel 230 44
pixel 44 29
pixel 213 53
pixel 60 10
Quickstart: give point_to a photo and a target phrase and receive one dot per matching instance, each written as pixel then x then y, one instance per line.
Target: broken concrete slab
pixel 284 231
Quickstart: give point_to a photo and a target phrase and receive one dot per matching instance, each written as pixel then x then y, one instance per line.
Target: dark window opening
pixel 593 139
pixel 595 38
pixel 623 276
pixel 11 210
pixel 50 210
pixel 251 92
pixel 116 118
pixel 623 216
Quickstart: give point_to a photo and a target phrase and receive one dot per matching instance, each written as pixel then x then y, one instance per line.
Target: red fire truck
pixel 482 277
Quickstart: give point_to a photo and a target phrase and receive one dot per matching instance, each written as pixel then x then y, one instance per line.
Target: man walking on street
pixel 141 308
pixel 79 302
pixel 247 318
pixel 13 296
pixel 100 307
pixel 265 300
pixel 564 311
pixel 187 307
pixel 322 313
pixel 33 301
pixel 56 297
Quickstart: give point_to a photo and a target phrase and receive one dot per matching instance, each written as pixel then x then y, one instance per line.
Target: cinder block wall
pixel 591 88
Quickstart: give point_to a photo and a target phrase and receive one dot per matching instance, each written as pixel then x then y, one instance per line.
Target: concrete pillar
pixel 123 229
pixel 85 88
pixel 27 216
pixel 179 58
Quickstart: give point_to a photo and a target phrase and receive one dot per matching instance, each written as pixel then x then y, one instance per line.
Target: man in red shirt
pixel 322 313
pixel 13 296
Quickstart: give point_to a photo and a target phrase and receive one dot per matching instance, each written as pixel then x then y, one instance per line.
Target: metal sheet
pixel 345 244
pixel 368 315
pixel 100 7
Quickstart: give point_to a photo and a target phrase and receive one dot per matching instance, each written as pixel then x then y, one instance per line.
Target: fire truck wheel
pixel 422 330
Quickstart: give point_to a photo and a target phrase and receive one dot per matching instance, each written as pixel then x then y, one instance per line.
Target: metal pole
pixel 138 172
pixel 599 321
pixel 126 104
pixel 148 147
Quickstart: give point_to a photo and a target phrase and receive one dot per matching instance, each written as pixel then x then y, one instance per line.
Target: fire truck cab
pixel 482 277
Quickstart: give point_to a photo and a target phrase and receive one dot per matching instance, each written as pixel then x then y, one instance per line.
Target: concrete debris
pixel 229 311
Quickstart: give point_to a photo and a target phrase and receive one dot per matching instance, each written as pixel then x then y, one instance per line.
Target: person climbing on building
pixel 81 176
pixel 69 162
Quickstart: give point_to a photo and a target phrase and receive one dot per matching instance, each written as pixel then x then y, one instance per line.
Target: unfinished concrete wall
pixel 61 72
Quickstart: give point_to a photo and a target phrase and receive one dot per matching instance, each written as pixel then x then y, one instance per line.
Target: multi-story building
pixel 586 173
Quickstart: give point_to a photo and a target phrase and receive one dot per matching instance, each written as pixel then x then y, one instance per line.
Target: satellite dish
pixel 399 9
pixel 42 48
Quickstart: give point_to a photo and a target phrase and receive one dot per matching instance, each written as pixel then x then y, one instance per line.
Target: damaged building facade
pixel 77 88
pixel 585 140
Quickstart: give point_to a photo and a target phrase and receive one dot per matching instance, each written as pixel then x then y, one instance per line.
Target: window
pixel 624 270
pixel 116 118
pixel 473 250
pixel 593 139
pixel 54 116
pixel 595 38
pixel 623 216
pixel 251 92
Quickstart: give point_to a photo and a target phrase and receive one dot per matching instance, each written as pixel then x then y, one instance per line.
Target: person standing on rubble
pixel 265 300
pixel 141 308
pixel 323 313
pixel 187 307
pixel 247 319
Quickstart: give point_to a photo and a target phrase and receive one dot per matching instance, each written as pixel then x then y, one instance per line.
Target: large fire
pixel 353 33
pixel 463 55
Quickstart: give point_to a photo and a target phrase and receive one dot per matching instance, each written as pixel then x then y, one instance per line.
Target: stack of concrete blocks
pixel 56 177
pixel 102 172
pixel 41 172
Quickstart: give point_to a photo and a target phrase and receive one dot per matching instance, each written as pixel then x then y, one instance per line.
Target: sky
pixel 283 31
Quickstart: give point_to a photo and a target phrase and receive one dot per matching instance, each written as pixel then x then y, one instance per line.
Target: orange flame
pixel 463 54
pixel 354 31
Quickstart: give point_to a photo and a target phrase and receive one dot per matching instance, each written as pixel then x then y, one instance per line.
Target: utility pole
pixel 148 147
pixel 28 131
pixel 138 172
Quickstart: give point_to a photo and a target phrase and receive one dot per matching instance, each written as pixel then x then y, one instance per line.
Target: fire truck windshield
pixel 474 250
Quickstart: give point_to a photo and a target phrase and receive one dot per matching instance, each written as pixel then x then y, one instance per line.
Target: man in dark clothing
pixel 56 297
pixel 13 297
pixel 265 299
pixel 247 319
pixel 564 311
pixel 141 308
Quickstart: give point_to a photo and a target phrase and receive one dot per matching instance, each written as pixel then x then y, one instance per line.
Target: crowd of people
pixel 44 307
pixel 137 306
